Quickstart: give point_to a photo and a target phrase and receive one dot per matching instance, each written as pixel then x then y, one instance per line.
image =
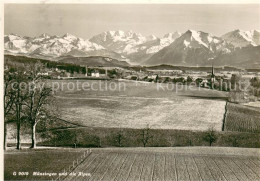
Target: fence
pixel 73 166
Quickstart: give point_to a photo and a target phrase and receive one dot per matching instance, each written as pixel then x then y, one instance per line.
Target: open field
pixel 170 164
pixel 93 118
pixel 242 118
pixel 184 163
pixel 137 105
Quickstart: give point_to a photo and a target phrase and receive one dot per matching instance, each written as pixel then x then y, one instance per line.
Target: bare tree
pixel 36 111
pixel 145 135
pixel 39 100
pixel 19 87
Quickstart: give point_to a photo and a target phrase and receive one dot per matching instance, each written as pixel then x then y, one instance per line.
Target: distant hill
pixel 21 61
pixel 185 68
pixel 102 52
pixel 95 61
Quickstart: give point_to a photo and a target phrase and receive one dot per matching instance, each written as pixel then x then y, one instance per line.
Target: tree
pixel 119 137
pixel 166 80
pixel 145 135
pixel 239 89
pixel 9 98
pixel 255 86
pixel 37 109
pixel 179 80
pixel 189 79
pixel 39 100
pixel 19 88
pixel 255 82
pixel 210 136
pixel 198 81
pixel 113 73
pixel 235 81
pixel 156 78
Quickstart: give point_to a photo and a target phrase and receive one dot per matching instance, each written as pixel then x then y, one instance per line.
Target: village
pixel 208 77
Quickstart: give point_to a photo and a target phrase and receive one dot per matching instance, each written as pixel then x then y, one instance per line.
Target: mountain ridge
pixel 192 48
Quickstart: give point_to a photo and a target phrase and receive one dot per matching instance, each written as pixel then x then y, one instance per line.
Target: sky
pixel 87 20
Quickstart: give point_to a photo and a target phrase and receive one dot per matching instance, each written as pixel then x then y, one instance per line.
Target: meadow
pixel 138 105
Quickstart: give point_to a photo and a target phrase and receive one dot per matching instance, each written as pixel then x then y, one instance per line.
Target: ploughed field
pixel 242 118
pixel 179 163
pixel 170 164
pixel 129 104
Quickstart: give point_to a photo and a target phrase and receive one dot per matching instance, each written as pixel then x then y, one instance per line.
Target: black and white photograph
pixel 135 91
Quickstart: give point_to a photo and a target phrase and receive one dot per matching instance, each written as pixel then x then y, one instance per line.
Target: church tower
pixel 212 72
pixel 212 77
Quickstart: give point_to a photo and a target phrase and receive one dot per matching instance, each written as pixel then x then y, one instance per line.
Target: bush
pixel 134 78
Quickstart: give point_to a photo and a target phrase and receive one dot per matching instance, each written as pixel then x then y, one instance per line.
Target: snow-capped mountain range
pixel 163 42
pixel 48 45
pixel 52 47
pixel 130 42
pixel 241 38
pixel 119 41
pixel 190 48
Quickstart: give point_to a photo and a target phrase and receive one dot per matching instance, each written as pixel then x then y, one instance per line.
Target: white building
pixel 93 74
